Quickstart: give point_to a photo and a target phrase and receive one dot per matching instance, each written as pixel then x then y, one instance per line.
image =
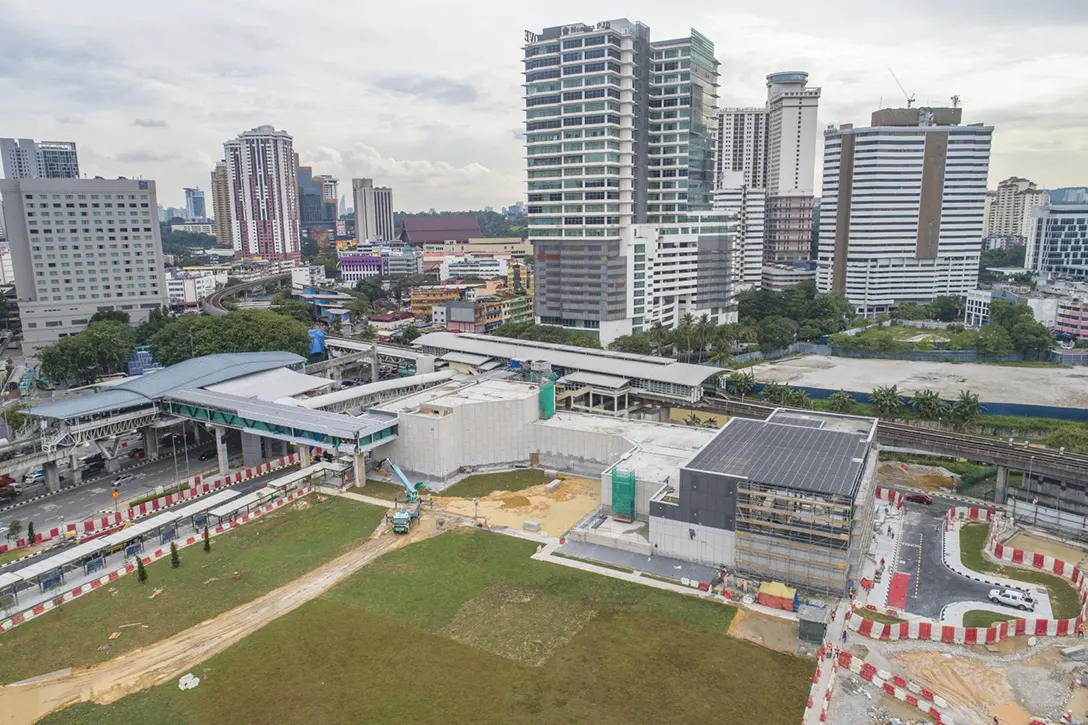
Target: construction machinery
pixel 408 512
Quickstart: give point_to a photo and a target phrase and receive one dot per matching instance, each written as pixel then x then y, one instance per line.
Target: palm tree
pixel 966 408
pixel 781 394
pixel 710 423
pixel 886 400
pixel 721 353
pixel 659 337
pixel 741 383
pixel 928 405
pixel 704 334
pixel 693 419
pixel 798 399
pixel 772 390
pixel 840 402
pixel 686 333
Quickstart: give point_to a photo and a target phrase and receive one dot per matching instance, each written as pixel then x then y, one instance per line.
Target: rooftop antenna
pixel 909 96
pixel 955 101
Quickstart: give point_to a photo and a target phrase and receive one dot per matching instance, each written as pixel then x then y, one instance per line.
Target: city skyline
pixel 470 154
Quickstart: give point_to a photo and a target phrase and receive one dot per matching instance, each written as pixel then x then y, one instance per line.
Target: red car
pixel 137 453
pixel 919 498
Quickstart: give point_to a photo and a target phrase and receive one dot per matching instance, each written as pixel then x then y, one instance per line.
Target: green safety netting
pixel 547 400
pixel 623 494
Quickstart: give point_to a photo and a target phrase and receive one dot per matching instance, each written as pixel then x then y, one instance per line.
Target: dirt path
pixel 172 657
pixel 762 629
pixel 1049 547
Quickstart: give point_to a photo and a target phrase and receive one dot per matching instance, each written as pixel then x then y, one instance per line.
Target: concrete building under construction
pixel 788 499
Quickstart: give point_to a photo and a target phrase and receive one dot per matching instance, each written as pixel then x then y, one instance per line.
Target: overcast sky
pixel 425 96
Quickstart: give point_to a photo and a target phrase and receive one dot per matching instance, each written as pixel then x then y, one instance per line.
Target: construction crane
pixel 406 515
pixel 909 96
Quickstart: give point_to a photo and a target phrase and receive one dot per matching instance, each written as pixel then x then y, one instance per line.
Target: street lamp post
pixel 174 448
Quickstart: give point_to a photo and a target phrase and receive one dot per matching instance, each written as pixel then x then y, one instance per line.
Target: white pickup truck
pixel 1013 598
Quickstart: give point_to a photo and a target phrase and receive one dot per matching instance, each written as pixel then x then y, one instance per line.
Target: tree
pixel 640 344
pixel 546 333
pixel 710 423
pixel 1073 438
pixel 772 390
pixel 141 572
pixel 14 417
pixel 296 310
pixel 366 334
pixel 372 288
pixel 886 400
pixel 810 331
pixel 14 529
pixel 102 348
pixel 775 333
pixel 840 402
pixel 175 561
pixel 993 340
pixel 1031 337
pixel 693 419
pixel 309 249
pixel 409 333
pixel 358 308
pixel 912 311
pixel 833 307
pixel 110 316
pixel 238 331
pixel 928 405
pixel 946 308
pixel 157 319
pixel 798 399
pixel 207 539
pixel 741 383
pixel 965 408
pixel 30 531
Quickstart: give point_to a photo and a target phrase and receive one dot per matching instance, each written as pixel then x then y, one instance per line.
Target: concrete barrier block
pixel 531 525
pixel 553 485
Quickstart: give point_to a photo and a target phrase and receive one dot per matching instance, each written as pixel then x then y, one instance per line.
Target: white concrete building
pixel 618 133
pixel 470 265
pixel 26 159
pixel 263 182
pixel 186 289
pixel 195 228
pixel 741 147
pixel 777 277
pixel 1058 241
pixel 903 205
pixel 373 211
pixel 747 204
pixel 309 276
pixel 976 310
pixel 1011 208
pixel 80 246
pixel 7 267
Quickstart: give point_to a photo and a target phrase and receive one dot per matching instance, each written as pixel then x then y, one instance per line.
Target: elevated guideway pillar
pixel 1001 489
pixel 304 456
pixel 251 449
pixel 221 449
pixel 73 466
pixel 359 464
pixel 151 443
pixel 52 476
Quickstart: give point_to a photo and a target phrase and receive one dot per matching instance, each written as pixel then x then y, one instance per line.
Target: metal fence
pixel 930 355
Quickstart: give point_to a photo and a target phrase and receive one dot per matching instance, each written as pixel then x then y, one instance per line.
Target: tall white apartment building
pixel 80 246
pixel 24 158
pixel 903 206
pixel 618 133
pixel 263 183
pixel 185 290
pixel 746 203
pixel 373 211
pixel 194 204
pixel 1011 208
pixel 742 146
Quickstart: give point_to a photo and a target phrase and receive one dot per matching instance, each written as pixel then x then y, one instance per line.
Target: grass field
pixel 268 552
pixel 465 628
pixel 482 484
pixel 1063 597
pixel 13 555
pixel 381 489
pixel 982 618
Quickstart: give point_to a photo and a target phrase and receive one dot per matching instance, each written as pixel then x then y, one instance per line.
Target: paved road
pixel 932 584
pixel 80 502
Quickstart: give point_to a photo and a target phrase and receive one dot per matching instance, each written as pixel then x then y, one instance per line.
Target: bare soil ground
pixel 1049 547
pixel 762 629
pixel 169 658
pixel 913 475
pixel 556 512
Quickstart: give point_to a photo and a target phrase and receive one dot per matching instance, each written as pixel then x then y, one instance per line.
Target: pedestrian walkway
pixel 954 561
pixel 883 549
pixel 820 694
pixel 331 491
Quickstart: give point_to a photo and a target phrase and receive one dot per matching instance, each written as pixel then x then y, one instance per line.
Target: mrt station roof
pixel 198 372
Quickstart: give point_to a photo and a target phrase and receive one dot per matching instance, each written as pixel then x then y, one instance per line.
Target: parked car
pixel 92 468
pixel 124 478
pixel 919 498
pixel 207 455
pixel 137 453
pixel 1013 598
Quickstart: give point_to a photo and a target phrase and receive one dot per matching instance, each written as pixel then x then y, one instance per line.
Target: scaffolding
pixel 800 537
pixel 547 400
pixel 623 495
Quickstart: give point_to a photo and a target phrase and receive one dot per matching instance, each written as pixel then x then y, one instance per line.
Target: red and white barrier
pixel 890 495
pixel 62 598
pixel 934 632
pixel 909 692
pixel 819 696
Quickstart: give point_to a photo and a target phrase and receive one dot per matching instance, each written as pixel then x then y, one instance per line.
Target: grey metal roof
pixel 596 379
pixel 641 367
pixel 790 456
pixel 464 357
pixel 146 389
pixel 798 420
pixel 317 421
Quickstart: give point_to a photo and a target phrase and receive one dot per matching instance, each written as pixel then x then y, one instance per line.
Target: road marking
pixel 918 573
pixel 914 546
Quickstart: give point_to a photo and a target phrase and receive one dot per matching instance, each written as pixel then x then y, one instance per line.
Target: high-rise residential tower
pixel 1010 210
pixel 263 184
pixel 903 207
pixel 221 205
pixel 742 146
pixel 194 204
pixel 80 246
pixel 620 165
pixel 25 159
pixel 373 211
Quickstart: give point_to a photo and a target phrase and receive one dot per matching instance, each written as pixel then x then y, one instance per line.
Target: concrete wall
pixel 644 490
pixel 709 546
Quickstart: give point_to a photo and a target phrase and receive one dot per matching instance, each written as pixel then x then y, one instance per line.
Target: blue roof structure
pixel 152 386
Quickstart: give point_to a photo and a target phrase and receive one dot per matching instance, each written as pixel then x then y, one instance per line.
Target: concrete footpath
pixel 826 669
pixel 331 491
